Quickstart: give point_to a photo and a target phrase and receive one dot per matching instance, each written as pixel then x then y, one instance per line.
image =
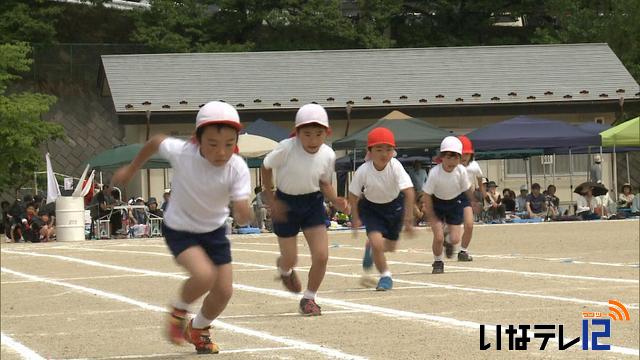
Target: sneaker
pixel 385 283
pixel 175 326
pixel 438 267
pixel 201 338
pixel 291 281
pixel 464 256
pixel 367 260
pixel 448 249
pixel 309 307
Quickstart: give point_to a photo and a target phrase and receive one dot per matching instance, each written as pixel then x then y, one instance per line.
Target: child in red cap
pixel 207 177
pixel 382 197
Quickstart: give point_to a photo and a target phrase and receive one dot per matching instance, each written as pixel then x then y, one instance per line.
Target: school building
pixel 455 88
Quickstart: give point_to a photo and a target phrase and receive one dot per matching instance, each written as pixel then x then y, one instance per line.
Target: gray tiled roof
pixel 389 77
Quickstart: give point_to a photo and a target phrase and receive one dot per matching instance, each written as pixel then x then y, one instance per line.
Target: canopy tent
pixel 122 155
pixel 625 134
pixel 252 146
pixel 409 133
pixel 266 129
pixel 524 132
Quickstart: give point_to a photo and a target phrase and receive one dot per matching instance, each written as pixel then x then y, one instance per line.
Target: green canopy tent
pixel 625 134
pixel 122 155
pixel 409 133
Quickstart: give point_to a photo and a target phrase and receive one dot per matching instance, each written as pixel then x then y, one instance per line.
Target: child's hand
pixel 356 223
pixel 278 210
pixel 408 227
pixel 342 204
pixel 123 175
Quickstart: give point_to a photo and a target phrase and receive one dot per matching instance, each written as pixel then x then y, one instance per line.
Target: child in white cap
pixel 207 177
pixel 445 191
pixel 304 166
pixel 381 195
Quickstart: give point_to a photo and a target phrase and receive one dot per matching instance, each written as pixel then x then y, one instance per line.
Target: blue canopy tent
pixel 524 132
pixel 266 129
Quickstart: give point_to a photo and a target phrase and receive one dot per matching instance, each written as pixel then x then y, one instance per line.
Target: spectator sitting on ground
pixel 166 196
pixel 152 204
pixel 609 207
pixel 587 206
pixel 536 207
pixel 521 200
pixel 552 201
pixel 48 230
pixel 138 216
pixel 508 199
pixel 31 225
pixel 494 204
pixel 625 200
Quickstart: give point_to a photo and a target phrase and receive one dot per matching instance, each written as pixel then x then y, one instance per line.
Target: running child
pixel 304 167
pixel 445 191
pixel 207 177
pixel 474 173
pixel 381 195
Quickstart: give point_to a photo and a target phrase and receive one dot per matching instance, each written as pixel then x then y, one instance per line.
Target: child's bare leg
pixel 202 273
pixel 390 246
pixel 288 253
pixel 219 293
pixel 438 238
pixel 468 227
pixel 318 241
pixel 455 233
pixel 377 247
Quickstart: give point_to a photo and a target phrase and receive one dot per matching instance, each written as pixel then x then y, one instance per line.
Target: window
pixel 516 167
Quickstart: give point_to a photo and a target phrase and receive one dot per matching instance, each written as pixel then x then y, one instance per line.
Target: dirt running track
pixel 105 299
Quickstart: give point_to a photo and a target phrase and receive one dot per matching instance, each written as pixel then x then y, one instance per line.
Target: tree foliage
pixel 21 128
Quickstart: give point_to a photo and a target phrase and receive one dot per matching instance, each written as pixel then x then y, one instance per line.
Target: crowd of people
pixel 28 220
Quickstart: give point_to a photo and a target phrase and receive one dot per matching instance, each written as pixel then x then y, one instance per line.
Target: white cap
pixel 167 191
pixel 597 158
pixel 312 113
pixel 217 112
pixel 451 143
pixel 524 188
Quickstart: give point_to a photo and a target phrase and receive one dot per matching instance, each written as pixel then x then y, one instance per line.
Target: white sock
pixel 201 322
pixel 285 272
pixel 437 257
pixel 386 273
pixel 463 249
pixel 308 294
pixel 181 305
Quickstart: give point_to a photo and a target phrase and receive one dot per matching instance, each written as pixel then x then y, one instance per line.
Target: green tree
pixel 33 20
pixel 22 129
pixel 614 22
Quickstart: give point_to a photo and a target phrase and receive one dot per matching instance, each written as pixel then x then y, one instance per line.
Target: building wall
pixel 495 169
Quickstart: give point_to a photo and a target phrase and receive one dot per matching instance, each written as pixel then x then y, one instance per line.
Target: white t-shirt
pixel 447 185
pixel 297 171
pixel 383 186
pixel 474 172
pixel 200 191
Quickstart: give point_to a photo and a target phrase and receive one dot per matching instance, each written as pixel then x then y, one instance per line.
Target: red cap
pixel 379 136
pixel 467 146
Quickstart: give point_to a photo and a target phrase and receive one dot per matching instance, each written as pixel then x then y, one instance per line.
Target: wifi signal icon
pixel 617 311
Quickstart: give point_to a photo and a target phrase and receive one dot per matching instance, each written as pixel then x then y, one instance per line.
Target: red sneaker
pixel 201 338
pixel 309 307
pixel 291 281
pixel 175 326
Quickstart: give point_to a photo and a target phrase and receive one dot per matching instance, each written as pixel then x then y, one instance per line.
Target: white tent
pixel 255 146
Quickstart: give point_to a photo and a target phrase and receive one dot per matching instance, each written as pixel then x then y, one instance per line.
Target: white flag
pixel 53 190
pixel 87 187
pixel 79 188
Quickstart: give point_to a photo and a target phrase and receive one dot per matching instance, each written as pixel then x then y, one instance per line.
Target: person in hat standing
pixel 208 176
pixel 595 173
pixel 304 165
pixel 474 173
pixel 445 191
pixel 381 196
pixel 165 199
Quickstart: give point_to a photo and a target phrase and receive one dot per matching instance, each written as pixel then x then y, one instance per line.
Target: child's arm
pixel 330 193
pixel 125 173
pixel 242 213
pixel 409 200
pixel 428 209
pixel 355 216
pixel 267 185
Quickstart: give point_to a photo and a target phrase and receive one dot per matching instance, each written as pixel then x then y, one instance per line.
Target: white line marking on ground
pixel 299 344
pixel 82 278
pixel 236 351
pixel 420 283
pixel 22 350
pixel 388 312
pixel 479 269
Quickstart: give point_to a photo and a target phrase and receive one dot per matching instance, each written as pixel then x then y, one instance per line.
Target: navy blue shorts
pixel 214 243
pixel 384 218
pixel 450 211
pixel 465 201
pixel 303 212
